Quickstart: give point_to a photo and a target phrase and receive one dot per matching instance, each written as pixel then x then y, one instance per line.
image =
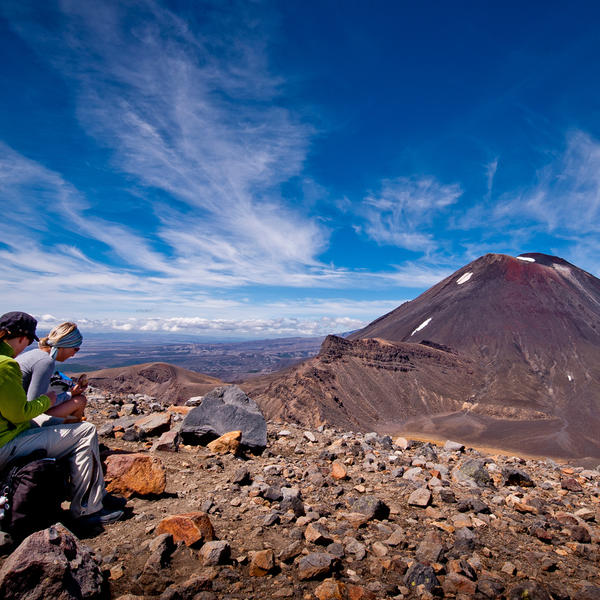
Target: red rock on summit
pixel 504 352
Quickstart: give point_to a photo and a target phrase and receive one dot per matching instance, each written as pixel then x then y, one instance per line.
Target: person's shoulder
pixel 34 357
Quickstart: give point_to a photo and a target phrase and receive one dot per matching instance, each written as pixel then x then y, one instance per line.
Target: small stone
pixel 450 446
pixel 430 549
pixel 227 443
pixel 331 589
pixel 154 424
pixel 475 471
pixel 509 568
pixel 358 592
pixel 572 485
pixel 292 551
pixel 379 549
pixel 581 534
pixel 454 583
pixel 401 443
pixel 310 436
pixel 316 533
pixel 167 442
pixel 372 507
pixel 189 528
pixel 517 477
pixel 338 471
pixel 106 430
pixel 315 565
pixel 531 590
pixel 420 497
pixel 271 519
pixel 262 563
pixel 242 476
pixel 356 548
pixel 396 538
pixel 420 574
pixel 215 553
pixel 194 401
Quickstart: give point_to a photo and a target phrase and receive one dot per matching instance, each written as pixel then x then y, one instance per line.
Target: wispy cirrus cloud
pixel 565 197
pixel 403 211
pixel 195 117
pixel 562 203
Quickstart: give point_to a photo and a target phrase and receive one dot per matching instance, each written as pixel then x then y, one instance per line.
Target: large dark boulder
pixel 225 409
pixel 52 563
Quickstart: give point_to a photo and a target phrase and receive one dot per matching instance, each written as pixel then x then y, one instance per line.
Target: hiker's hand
pixel 52 396
pixel 77 390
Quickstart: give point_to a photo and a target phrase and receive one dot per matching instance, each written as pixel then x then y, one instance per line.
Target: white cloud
pixel 566 195
pixel 403 211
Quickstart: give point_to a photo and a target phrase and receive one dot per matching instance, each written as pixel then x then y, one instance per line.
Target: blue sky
pixel 258 169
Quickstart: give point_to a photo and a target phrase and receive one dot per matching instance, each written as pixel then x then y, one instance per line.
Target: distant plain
pixel 227 360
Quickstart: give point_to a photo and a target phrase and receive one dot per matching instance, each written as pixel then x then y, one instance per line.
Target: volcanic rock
pixel 228 442
pixel 138 474
pixel 189 528
pixel 223 410
pixel 52 563
pixel 263 562
pixel 316 565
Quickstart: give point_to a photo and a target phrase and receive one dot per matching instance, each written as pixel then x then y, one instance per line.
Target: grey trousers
pixel 77 442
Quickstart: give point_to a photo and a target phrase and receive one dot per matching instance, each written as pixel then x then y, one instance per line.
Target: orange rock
pixel 331 589
pixel 190 528
pixel 138 474
pixel 262 563
pixel 182 410
pixel 338 471
pixel 357 592
pixel 228 442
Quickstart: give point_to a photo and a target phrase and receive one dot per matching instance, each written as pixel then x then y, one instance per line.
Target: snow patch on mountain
pixel 526 258
pixel 464 278
pixel 421 326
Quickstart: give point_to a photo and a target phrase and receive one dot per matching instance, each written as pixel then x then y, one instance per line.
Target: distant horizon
pixel 264 170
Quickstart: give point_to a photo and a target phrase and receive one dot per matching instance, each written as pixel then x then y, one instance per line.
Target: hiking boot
pixel 113 502
pixel 101 517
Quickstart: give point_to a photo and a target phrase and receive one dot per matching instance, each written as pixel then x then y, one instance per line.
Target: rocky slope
pixel 325 513
pixel 169 382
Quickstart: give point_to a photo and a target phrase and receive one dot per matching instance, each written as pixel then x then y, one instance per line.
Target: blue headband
pixel 71 340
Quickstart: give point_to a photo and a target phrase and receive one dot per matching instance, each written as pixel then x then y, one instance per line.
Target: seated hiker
pixel 76 442
pixel 38 367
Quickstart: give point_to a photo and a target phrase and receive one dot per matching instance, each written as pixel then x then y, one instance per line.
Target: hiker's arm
pixel 13 400
pixel 41 374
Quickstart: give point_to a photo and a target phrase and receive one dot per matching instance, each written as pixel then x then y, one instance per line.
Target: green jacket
pixel 15 410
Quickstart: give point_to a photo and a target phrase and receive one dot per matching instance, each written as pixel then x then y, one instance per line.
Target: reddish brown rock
pixel 458 584
pixel 190 528
pixel 338 471
pixel 358 592
pixel 228 442
pixel 316 533
pixel 45 561
pixel 331 589
pixel 167 442
pixel 571 484
pixel 138 474
pixel 262 563
pixel 315 565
